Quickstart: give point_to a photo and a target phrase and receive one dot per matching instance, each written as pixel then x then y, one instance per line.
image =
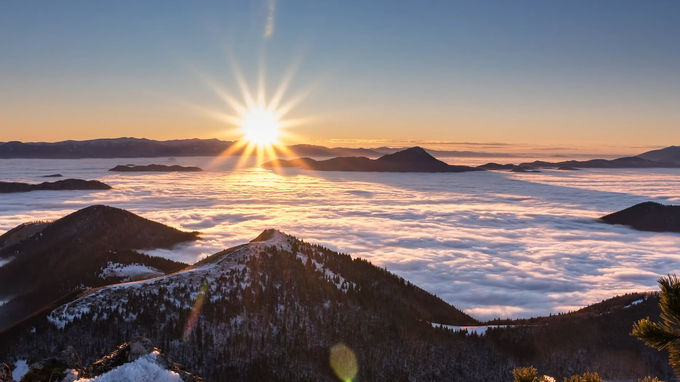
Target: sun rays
pixel 259 123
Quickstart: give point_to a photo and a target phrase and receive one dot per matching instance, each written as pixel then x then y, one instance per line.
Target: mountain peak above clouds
pixel 91 247
pixel 414 159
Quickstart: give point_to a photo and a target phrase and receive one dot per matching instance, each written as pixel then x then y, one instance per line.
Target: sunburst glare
pixel 260 125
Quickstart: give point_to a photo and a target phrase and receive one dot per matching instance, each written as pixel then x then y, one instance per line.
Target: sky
pixel 593 75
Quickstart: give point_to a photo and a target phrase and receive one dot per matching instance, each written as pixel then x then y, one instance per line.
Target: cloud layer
pixel 494 244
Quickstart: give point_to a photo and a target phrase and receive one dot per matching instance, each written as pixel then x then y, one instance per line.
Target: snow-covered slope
pixel 198 280
pixel 92 247
pixel 266 310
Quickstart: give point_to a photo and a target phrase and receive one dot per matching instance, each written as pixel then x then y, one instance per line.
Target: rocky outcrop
pixel 5 373
pixel 131 352
pixel 66 366
pixel 56 368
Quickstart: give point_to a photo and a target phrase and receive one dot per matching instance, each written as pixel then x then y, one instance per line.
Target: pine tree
pixel 524 374
pixel 664 335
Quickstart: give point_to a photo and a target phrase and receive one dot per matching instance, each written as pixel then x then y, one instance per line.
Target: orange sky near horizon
pixel 552 77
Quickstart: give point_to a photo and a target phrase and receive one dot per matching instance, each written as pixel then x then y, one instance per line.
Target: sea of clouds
pixel 494 244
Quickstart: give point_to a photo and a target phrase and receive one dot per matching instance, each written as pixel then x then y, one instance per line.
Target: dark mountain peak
pixel 91 247
pixel 669 154
pixel 270 234
pixel 410 154
pixel 118 227
pixel 648 216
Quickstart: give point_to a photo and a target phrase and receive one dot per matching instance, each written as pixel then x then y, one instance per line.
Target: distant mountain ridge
pixel 148 148
pixel 415 159
pixel 626 162
pixel 451 153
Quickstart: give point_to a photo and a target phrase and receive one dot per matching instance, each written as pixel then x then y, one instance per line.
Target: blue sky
pixel 594 73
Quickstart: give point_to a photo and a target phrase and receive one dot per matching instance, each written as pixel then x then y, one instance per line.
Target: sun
pixel 260 124
pixel 260 127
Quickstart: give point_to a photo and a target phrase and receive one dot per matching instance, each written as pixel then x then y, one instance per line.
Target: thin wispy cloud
pixel 271 20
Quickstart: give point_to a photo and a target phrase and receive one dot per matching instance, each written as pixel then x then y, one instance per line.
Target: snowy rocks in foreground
pixel 137 360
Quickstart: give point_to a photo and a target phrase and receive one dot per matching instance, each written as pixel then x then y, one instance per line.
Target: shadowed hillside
pixel 273 308
pixel 91 247
pixel 648 216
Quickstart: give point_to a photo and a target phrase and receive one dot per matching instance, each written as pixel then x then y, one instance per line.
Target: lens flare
pixel 195 312
pixel 344 362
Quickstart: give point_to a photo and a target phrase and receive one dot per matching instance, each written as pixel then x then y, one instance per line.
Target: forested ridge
pixel 272 309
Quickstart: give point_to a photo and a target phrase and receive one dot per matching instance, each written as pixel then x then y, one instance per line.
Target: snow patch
pixel 129 272
pixel 634 303
pixel 71 375
pixel 144 369
pixel 21 368
pixel 67 315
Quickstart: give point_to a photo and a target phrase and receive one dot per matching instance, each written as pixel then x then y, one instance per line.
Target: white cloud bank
pixel 494 244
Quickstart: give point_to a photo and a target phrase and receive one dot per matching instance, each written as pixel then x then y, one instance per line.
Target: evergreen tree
pixel 524 374
pixel 664 335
